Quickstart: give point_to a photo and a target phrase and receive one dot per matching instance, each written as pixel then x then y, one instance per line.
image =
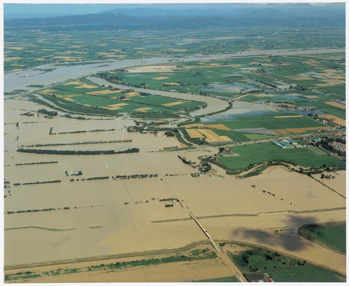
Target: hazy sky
pixel 49 10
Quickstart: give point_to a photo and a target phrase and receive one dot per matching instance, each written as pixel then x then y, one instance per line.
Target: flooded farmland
pixel 115 216
pixel 185 144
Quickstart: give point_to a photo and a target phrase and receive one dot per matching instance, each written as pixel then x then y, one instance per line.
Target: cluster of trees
pixel 37 163
pixel 36 183
pixel 169 199
pixel 323 176
pixel 47 112
pixel 27 114
pixel 170 134
pixel 136 176
pixel 78 117
pixel 115 79
pixel 98 178
pixel 74 152
pixel 81 131
pixel 205 167
pixel 30 211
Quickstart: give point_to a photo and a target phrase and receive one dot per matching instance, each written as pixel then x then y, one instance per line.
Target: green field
pixel 76 96
pixel 331 235
pixel 28 47
pixel 281 268
pixel 269 121
pixel 308 274
pixel 259 153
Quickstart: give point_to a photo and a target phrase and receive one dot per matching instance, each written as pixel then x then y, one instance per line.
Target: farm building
pixel 287 143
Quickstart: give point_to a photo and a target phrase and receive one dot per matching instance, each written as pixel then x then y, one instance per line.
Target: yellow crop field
pixel 335 104
pixel 173 103
pixel 160 77
pixel 302 130
pixel 262 95
pixel 194 133
pixel 311 96
pixel 111 108
pixel 279 131
pixel 143 109
pixel 68 99
pixel 72 95
pixel 98 92
pixel 171 83
pixel 333 119
pixel 212 137
pixel 47 90
pixel 218 127
pixel 87 86
pixel 15 48
pixel 12 59
pixel 213 126
pixel 73 82
pixel 130 94
pixel 117 105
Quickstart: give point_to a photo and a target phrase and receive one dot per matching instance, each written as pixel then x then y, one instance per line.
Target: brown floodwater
pixel 98 222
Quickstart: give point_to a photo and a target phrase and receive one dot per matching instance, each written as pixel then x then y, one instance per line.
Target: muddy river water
pixel 114 216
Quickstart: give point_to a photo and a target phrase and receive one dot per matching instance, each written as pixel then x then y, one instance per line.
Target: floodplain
pixel 204 155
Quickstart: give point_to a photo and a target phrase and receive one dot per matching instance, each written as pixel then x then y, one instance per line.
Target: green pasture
pixel 269 122
pixel 309 273
pixel 156 103
pixel 332 235
pixel 259 153
pixel 281 268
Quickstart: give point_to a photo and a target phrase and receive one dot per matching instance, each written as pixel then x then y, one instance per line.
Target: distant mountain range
pixel 157 18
